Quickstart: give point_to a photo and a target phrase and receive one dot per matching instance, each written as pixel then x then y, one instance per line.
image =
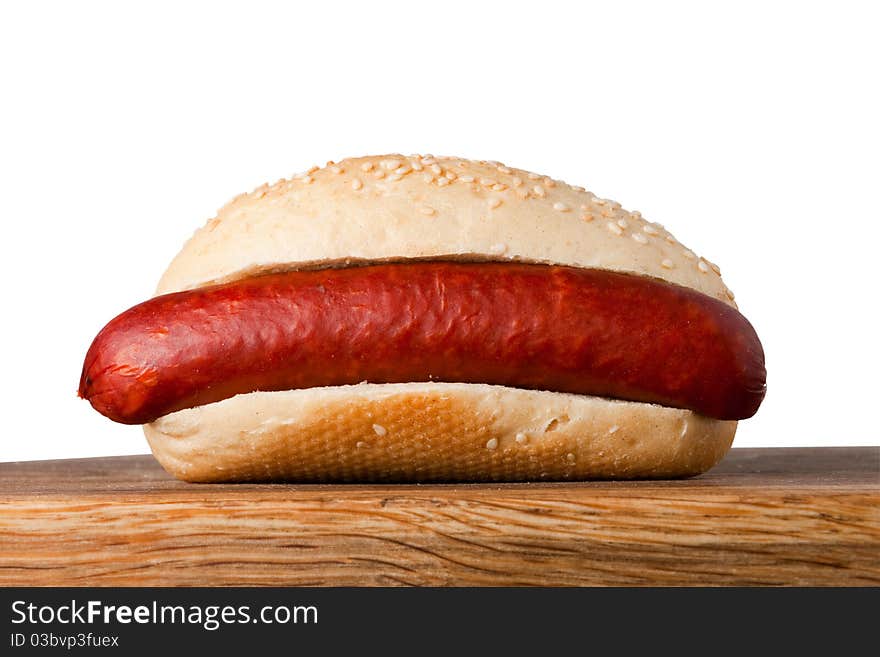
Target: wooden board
pixel 764 516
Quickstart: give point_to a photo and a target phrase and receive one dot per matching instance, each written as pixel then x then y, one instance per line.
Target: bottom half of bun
pixel 420 432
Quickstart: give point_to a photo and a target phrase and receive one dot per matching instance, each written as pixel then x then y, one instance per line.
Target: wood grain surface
pixel 764 516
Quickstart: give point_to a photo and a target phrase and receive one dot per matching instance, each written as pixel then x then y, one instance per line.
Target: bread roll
pixel 399 208
pixel 433 432
pixel 391 208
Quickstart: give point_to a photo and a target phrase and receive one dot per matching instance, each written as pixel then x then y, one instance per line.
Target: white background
pixel 751 132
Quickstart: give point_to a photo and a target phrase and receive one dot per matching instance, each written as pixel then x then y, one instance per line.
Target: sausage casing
pixel 530 326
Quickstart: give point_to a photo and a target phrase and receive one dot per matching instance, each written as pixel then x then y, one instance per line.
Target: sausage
pixel 531 326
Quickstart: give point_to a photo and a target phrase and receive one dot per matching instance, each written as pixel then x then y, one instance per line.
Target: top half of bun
pixel 395 207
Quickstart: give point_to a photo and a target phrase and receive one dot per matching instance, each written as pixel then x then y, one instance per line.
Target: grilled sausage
pixel 531 326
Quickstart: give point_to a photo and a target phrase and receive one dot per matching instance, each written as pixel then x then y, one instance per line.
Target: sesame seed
pixel 622 223
pixel 549 182
pixel 360 444
pixel 492 443
pixel 497 249
pixel 641 239
pixel 607 213
pixel 306 179
pixel 578 188
pixel 570 457
pixel 394 177
pixel 671 239
pixel 436 169
pixel 600 201
pixel 587 217
pixel 503 169
pixel 356 184
pixel 367 166
pixel 533 176
pixel 648 228
pixel 729 293
pixel 378 173
pixel 499 187
pixel 522 438
pixel 428 160
pixel 379 429
pixel 335 169
pixel 389 164
pixel 537 190
pixel 517 181
pixel 450 175
pixel 690 255
pixel 684 430
pixel 428 178
pixel 402 170
pixel 312 169
pixel 466 179
pixel 561 207
pixel 703 267
pixel 667 263
pixel 427 210
pixel 442 182
pixel 416 165
pixel 613 429
pixel 614 228
pixel 494 203
pixel 715 268
pixel 487 182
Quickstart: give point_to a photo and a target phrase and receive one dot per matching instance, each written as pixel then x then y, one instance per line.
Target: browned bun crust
pixel 433 432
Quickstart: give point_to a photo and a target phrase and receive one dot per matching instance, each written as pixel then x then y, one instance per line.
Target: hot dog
pixel 540 327
pixel 419 318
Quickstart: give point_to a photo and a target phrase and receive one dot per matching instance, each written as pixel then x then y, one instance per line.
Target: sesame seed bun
pixel 433 432
pixel 396 208
pixel 391 207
